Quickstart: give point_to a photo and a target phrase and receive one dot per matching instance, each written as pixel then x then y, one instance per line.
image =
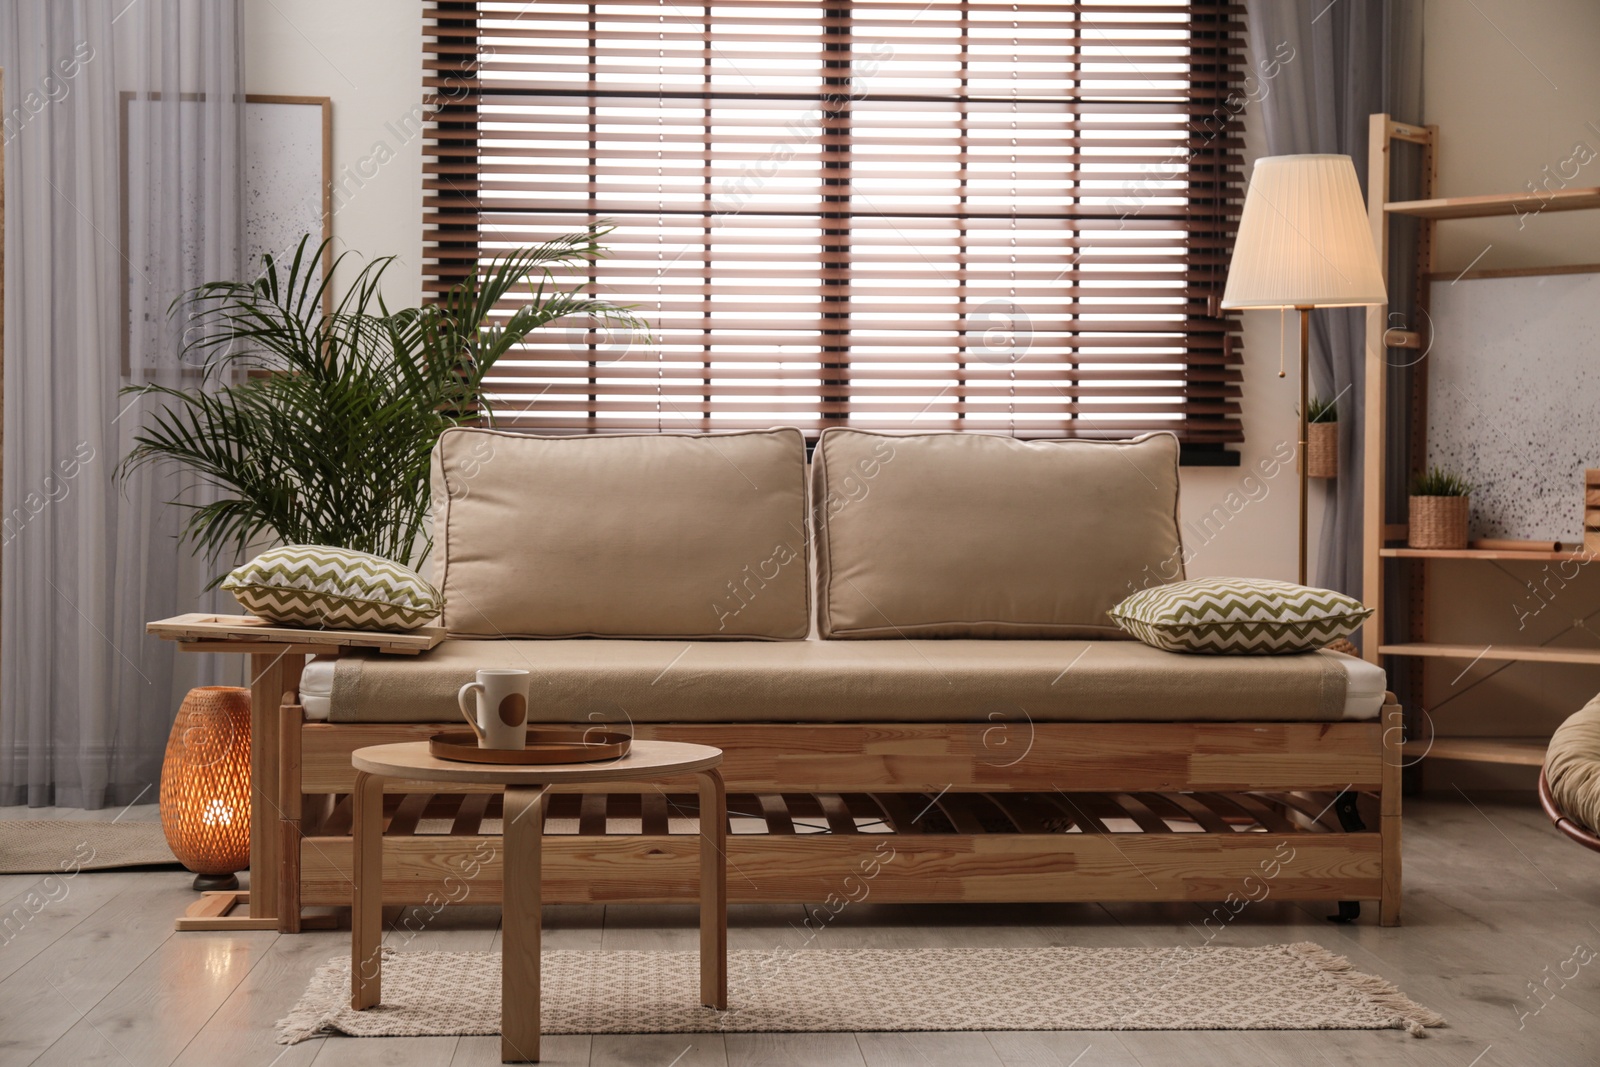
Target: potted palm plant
pixel 1322 438
pixel 1440 502
pixel 313 427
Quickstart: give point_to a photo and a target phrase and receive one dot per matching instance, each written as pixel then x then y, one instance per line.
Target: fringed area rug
pixel 63 846
pixel 1277 987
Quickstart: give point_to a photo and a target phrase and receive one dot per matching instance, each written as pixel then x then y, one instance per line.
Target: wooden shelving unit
pixel 1381 339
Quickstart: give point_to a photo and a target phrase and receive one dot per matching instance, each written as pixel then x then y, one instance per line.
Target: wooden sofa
pixel 1062 797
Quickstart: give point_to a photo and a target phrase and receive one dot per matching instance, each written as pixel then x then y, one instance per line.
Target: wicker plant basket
pixel 1439 521
pixel 1322 450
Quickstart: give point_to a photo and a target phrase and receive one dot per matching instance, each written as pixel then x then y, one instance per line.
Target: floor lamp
pixel 1304 242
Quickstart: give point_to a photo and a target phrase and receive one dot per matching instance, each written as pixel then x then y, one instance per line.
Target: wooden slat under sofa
pixel 1235 861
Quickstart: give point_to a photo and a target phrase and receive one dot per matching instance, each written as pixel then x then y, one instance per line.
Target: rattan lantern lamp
pixel 1304 242
pixel 205 785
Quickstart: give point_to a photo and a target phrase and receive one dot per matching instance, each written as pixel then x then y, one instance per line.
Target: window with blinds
pixel 895 214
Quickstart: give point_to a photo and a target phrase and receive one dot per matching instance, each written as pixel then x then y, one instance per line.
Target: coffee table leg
pixel 713 891
pixel 520 926
pixel 366 910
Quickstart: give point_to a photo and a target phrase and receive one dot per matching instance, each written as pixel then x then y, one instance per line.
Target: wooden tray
pixel 546 744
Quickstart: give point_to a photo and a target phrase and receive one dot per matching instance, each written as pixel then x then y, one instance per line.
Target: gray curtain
pixel 123 131
pixel 1351 59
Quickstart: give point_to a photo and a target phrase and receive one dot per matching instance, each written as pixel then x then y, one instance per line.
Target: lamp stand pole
pixel 1305 400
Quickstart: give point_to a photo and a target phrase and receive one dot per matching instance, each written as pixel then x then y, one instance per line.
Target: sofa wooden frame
pixel 314 866
pixel 301 857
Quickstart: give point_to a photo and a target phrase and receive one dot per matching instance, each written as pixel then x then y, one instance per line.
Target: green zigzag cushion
pixel 1238 616
pixel 333 589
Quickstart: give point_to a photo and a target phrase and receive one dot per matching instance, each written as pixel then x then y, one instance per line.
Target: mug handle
pixel 469 713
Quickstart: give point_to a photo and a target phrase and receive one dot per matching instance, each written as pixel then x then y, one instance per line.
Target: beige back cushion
pixel 980 535
pixel 636 535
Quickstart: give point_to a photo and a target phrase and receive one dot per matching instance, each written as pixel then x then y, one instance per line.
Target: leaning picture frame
pixel 287 189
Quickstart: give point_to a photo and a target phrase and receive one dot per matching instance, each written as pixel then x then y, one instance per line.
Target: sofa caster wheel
pixel 1349 912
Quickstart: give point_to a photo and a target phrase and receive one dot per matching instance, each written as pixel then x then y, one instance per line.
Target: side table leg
pixel 366 911
pixel 271 675
pixel 713 891
pixel 520 926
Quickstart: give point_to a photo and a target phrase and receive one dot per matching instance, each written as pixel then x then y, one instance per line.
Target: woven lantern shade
pixel 205 785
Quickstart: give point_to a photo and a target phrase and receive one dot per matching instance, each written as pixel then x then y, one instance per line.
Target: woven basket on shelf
pixel 1322 450
pixel 1438 522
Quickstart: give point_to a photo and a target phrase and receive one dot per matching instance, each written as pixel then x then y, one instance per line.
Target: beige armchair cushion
pixel 626 535
pixel 981 535
pixel 1572 766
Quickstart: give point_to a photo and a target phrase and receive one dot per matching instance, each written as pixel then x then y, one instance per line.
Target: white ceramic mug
pixel 500 715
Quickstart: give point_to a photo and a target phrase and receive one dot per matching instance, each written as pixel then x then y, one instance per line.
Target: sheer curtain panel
pixel 123 136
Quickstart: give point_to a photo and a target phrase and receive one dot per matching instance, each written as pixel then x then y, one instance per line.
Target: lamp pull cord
pixel 1282 315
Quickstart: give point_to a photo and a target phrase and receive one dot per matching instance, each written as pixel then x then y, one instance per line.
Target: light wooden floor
pixel 1494 900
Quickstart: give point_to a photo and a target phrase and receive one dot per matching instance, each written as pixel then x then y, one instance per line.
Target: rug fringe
pixel 304 1022
pixel 329 984
pixel 1408 1014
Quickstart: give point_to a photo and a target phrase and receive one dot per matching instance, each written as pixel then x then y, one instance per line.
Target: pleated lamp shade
pixel 1304 239
pixel 205 783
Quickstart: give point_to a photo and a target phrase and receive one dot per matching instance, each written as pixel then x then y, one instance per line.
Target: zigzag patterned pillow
pixel 1242 616
pixel 333 589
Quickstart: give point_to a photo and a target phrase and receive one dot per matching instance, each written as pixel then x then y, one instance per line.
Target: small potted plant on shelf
pixel 1322 439
pixel 1439 507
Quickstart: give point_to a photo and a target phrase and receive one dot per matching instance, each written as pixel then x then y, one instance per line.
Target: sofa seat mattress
pixel 851 681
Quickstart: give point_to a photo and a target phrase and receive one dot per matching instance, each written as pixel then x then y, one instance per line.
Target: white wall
pixel 367 56
pixel 1514 87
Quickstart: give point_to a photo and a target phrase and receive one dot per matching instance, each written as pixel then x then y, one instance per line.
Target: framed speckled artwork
pixel 288 192
pixel 1514 398
pixel 288 165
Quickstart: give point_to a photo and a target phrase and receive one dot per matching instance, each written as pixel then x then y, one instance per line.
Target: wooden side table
pixel 277 656
pixel 525 794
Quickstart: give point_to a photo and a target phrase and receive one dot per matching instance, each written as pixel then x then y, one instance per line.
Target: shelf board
pixel 1529 653
pixel 1511 272
pixel 1521 751
pixel 1577 554
pixel 1482 207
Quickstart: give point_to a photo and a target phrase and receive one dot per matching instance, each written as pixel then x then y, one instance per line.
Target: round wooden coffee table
pixel 525 794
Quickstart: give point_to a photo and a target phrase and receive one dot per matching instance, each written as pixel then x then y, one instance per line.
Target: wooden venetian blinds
pixel 897 214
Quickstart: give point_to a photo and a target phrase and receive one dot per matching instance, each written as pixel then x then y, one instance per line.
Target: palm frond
pixel 328 440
